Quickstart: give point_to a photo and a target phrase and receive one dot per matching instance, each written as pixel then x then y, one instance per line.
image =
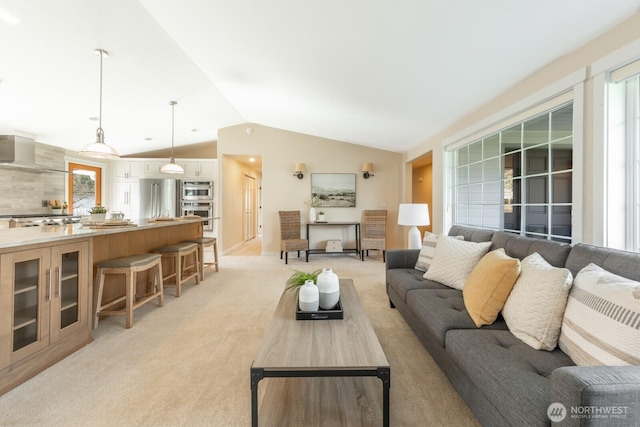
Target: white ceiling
pixel 381 73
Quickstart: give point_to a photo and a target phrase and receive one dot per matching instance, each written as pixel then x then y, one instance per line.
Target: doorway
pixel 422 185
pixel 241 194
pixel 248 209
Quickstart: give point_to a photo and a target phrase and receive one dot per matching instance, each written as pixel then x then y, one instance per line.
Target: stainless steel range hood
pixel 18 152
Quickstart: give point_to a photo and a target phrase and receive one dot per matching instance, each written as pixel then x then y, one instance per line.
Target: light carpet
pixel 187 363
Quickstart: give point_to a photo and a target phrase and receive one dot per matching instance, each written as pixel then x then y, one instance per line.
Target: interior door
pixel 249 211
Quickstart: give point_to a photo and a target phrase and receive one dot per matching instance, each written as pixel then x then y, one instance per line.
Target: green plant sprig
pixel 298 278
pixel 98 210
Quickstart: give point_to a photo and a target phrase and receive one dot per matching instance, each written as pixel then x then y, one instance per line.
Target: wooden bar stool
pixel 202 243
pixel 129 266
pixel 180 253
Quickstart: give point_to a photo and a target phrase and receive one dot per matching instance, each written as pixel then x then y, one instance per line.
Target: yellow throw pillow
pixel 488 286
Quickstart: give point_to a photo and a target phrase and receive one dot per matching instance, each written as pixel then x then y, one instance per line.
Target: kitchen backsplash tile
pixel 23 191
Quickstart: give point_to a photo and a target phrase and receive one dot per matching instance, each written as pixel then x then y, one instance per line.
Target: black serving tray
pixel 322 314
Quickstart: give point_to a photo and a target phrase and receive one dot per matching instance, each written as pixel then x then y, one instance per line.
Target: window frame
pixel 602 108
pixel 480 172
pixel 569 88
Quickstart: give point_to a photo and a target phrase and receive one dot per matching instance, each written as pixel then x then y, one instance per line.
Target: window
pixel 85 188
pixel 520 178
pixel 623 159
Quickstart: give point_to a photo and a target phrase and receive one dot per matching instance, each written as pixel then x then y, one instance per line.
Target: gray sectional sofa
pixel 504 381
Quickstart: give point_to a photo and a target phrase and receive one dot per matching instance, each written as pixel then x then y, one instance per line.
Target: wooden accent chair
pixel 290 239
pixel 374 231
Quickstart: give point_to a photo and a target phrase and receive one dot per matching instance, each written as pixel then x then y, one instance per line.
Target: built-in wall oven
pixel 201 208
pixel 196 190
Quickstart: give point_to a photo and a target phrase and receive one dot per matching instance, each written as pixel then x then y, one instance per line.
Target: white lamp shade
pixel 413 214
pixel 99 150
pixel 300 167
pixel 171 167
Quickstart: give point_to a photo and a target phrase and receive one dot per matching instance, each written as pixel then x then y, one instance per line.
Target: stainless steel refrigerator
pixel 158 197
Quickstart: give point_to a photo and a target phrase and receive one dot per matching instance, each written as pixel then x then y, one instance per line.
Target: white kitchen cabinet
pixel 199 169
pixel 152 169
pixel 127 169
pixel 125 198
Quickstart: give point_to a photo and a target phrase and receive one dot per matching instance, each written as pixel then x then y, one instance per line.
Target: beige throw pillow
pixel 489 285
pixel 535 307
pixel 453 261
pixel 428 250
pixel 601 325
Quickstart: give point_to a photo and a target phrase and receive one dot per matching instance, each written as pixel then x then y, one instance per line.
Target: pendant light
pixel 99 149
pixel 172 167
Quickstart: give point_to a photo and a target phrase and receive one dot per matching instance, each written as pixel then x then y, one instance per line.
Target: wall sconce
pixel 367 170
pixel 299 170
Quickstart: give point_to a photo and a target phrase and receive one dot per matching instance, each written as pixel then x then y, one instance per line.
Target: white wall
pixel 582 58
pixel 280 151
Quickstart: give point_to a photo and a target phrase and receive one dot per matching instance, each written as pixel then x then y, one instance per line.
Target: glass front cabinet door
pixel 43 298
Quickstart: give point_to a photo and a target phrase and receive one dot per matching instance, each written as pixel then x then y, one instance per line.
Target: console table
pixel 347 224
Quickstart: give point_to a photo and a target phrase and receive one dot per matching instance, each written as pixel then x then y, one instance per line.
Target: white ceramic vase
pixel 312 214
pixel 328 288
pixel 308 297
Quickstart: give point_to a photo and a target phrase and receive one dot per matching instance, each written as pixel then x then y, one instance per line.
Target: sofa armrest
pixel 598 395
pixel 402 258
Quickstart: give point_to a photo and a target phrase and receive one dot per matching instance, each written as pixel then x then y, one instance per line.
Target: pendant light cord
pixel 100 109
pixel 173 107
pixel 100 132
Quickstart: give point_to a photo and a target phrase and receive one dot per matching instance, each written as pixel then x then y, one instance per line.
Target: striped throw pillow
pixel 428 250
pixel 601 324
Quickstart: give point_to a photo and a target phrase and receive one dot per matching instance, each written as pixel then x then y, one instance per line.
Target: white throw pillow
pixel 535 307
pixel 601 324
pixel 454 259
pixel 428 250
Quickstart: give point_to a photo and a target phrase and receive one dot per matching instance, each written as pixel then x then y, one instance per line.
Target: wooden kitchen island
pixel 46 286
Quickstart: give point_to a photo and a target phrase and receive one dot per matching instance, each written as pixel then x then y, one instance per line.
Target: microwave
pixel 196 190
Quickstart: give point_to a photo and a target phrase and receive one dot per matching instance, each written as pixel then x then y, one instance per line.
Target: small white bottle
pixel 308 298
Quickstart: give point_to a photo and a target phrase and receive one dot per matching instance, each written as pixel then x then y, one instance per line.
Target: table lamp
pixel 413 215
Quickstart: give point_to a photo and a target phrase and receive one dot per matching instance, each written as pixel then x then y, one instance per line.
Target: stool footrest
pixel 112 302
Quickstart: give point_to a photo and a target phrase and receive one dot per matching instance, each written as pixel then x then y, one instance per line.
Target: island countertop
pixel 16 237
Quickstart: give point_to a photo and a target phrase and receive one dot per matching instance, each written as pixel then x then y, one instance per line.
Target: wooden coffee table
pixel 325 364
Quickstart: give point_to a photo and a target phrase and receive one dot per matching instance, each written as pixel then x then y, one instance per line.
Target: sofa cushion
pixel 471 234
pixel 428 250
pixel 511 375
pixel 517 246
pixel 622 263
pixel 535 307
pixel 441 310
pixel 454 260
pixel 402 280
pixel 489 285
pixel 601 324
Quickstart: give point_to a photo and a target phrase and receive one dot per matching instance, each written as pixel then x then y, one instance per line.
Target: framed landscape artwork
pixel 335 190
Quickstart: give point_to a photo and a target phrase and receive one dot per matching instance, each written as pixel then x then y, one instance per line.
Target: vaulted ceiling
pixel 380 73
